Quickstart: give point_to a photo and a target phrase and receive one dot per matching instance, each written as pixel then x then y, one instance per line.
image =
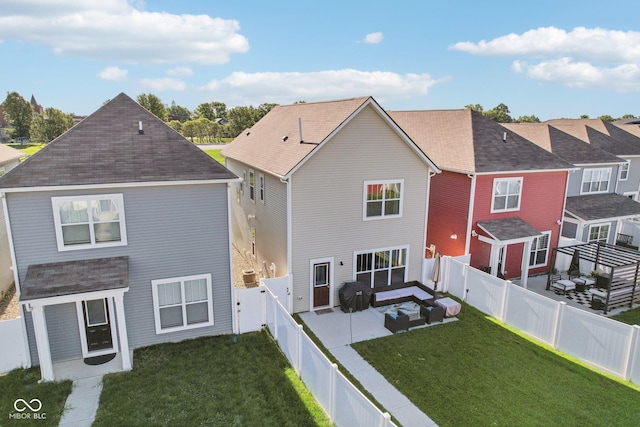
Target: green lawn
pixel 475 372
pixel 23 384
pixel 631 317
pixel 210 381
pixel 215 153
pixel 29 149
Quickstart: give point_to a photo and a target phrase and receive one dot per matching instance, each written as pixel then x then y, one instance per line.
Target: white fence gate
pixel 15 349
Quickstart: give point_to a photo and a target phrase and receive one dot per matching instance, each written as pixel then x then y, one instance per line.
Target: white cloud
pixel 117 30
pixel 163 84
pixel 180 72
pixel 565 71
pixel 241 88
pixel 583 57
pixel 115 74
pixel 373 38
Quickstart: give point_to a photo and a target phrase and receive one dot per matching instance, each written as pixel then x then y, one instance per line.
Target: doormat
pixel 324 311
pixel 99 360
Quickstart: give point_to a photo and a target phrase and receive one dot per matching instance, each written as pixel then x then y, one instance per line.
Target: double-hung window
pixel 624 171
pixel 261 187
pixel 599 233
pixel 182 303
pixel 507 193
pixel 595 180
pixel 383 199
pixel 252 186
pixel 540 250
pixel 89 221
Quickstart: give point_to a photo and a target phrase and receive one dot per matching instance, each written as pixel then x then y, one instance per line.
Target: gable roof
pixel 597 133
pixel 288 135
pixel 631 126
pixel 107 148
pixel 562 144
pixel 466 141
pixel 8 154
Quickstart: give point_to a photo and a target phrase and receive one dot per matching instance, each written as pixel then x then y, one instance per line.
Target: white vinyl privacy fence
pixel 606 344
pixel 15 350
pixel 342 401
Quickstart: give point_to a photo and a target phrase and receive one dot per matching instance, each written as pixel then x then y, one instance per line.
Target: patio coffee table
pixel 583 283
pixel 451 307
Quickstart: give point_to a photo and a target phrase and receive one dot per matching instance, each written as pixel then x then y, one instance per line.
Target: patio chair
pixel 396 322
pixel 561 285
pixel 432 313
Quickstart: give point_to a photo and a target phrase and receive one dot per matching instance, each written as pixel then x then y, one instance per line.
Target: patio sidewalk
pixel 337 330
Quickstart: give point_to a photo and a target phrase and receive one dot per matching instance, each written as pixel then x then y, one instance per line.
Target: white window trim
pixel 252 185
pixel 599 171
pixel 546 258
pixel 83 331
pixel 373 251
pixel 608 224
pixel 55 202
pixel 496 181
pixel 383 216
pixel 243 182
pixel 261 188
pixel 156 306
pixel 633 195
pixel 623 169
pixel 313 262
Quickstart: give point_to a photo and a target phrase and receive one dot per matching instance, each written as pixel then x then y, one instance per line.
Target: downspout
pixel 287 182
pixel 472 198
pixel 235 317
pixel 430 174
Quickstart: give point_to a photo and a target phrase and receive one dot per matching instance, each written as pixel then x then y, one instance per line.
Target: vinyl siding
pixel 575 179
pixel 172 231
pixel 448 211
pixel 327 203
pixel 6 275
pixel 270 220
pixel 541 205
pixel 633 180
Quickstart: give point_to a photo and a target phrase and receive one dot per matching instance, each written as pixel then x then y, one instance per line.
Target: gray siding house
pixel 119 235
pixel 332 192
pixel 596 203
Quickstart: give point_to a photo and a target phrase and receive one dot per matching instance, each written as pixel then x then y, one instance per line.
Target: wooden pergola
pixel 621 282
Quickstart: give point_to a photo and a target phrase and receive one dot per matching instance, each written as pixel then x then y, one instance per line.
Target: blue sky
pixel 548 58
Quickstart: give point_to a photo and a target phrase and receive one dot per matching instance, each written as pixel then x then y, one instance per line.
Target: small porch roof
pixel 74 277
pixel 595 207
pixel 509 230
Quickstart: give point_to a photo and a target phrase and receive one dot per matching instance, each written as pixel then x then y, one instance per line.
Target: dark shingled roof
pixel 106 148
pixel 508 229
pixel 576 151
pixel 74 277
pixel 602 206
pixel 466 141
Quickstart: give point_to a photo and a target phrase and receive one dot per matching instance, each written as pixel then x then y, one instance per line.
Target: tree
pixel 500 113
pixel 154 105
pixel 19 114
pixel 527 119
pixel 175 125
pixel 189 129
pixel 240 118
pixel 584 116
pixel 475 107
pixel 628 116
pixel 51 124
pixel 606 118
pixel 211 110
pixel 177 112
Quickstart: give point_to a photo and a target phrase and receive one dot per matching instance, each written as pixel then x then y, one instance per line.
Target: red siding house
pixel 500 198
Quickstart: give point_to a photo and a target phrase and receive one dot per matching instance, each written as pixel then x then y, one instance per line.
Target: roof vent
pixel 248 133
pixel 504 137
pixel 284 138
pixel 140 130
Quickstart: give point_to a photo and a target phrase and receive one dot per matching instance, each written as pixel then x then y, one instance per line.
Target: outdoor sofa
pixel 394 294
